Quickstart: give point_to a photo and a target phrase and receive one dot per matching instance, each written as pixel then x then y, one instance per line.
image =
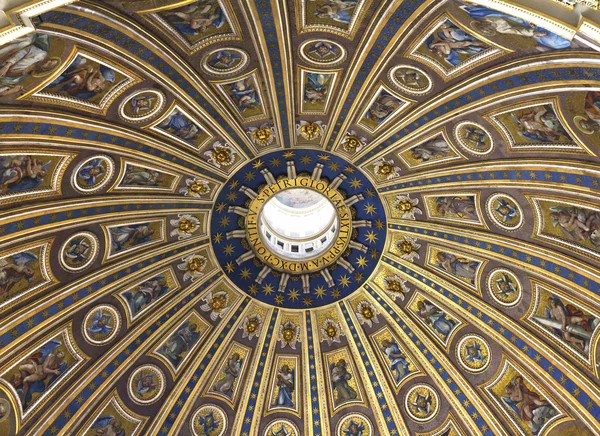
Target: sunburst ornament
pixel 194 266
pixel 310 130
pixel 353 143
pixel 330 331
pixel 396 287
pixel 221 155
pixel 409 248
pixel 251 326
pixel 367 313
pixel 195 188
pixel 386 169
pixel 289 334
pixel 262 136
pixel 407 207
pixel 184 226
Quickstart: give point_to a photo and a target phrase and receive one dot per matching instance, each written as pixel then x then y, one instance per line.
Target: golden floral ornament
pixel 367 313
pixel 386 169
pixel 263 135
pixel 353 143
pixel 409 249
pixel 407 207
pixel 217 304
pixel 251 326
pixel 331 331
pixel 396 287
pixel 310 130
pixel 184 226
pixel 194 266
pixel 289 334
pixel 221 155
pixel 195 188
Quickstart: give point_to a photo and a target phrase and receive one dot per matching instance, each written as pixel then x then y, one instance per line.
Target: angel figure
pixel 528 405
pixel 281 432
pixel 100 324
pixel 217 304
pixel 108 425
pixel 145 293
pixel 142 103
pixel 450 42
pixel 539 124
pixel 285 383
pixel 131 235
pixel 422 403
pixel 473 352
pixel 458 266
pixel 21 173
pixel 506 286
pixel 182 127
pixel 244 94
pixel 435 317
pixel 354 428
pixel 181 342
pixel 336 10
pixel 224 59
pixel 208 423
pixel 571 323
pixel 39 371
pixel 92 170
pixel 399 365
pixel 196 18
pixel 316 88
pixel 578 224
pixel 591 123
pixel 145 383
pixel 506 210
pixel 323 49
pixel 84 80
pixel 433 149
pixel 231 371
pixel 15 268
pixel 382 107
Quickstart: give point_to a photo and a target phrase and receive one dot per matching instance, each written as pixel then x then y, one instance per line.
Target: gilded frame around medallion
pixel 575 146
pixel 37 94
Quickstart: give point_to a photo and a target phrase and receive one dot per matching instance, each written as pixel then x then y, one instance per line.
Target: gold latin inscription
pixel 303 266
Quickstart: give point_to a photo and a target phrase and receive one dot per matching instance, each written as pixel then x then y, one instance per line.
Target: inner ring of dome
pixel 298 223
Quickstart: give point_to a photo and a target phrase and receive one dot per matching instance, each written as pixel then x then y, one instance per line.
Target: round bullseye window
pixel 298 223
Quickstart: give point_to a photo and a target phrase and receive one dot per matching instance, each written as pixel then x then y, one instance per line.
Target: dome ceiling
pixel 459 292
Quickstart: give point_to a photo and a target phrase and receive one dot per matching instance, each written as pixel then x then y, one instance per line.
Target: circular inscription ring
pixel 303 266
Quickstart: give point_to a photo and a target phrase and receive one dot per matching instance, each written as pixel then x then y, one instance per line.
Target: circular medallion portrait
pixel 146 384
pixel 504 211
pixel 473 353
pixel 225 61
pixel 411 80
pixel 473 138
pixel 209 420
pixel 142 105
pixel 282 427
pixel 354 424
pixel 101 324
pixel 504 287
pixel 422 403
pixel 93 174
pixel 79 251
pixel 322 52
pixel 4 409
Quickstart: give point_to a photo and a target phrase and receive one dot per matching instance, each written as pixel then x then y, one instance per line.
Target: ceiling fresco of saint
pixel 458 141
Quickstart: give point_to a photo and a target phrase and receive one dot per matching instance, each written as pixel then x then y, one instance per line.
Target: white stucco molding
pixel 15 16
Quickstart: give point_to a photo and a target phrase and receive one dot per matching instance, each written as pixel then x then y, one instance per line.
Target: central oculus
pixel 298 223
